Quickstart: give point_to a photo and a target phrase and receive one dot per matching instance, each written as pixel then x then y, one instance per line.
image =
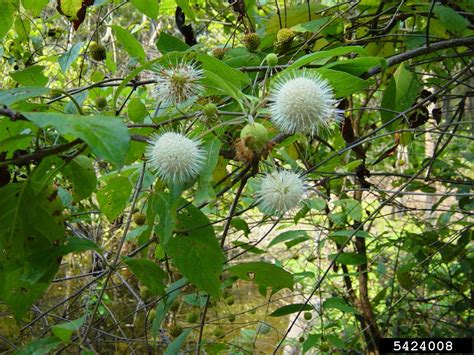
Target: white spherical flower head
pixel 281 191
pixel 175 157
pixel 178 83
pixel 302 102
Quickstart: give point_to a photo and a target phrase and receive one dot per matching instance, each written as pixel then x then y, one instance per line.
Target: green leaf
pixel 106 136
pixel 205 192
pixel 70 8
pixel 195 250
pixel 35 6
pixel 357 66
pixel 215 70
pixel 41 346
pixel 7 9
pixel 147 7
pixel 400 93
pixel 291 308
pixel 114 195
pixel 343 84
pixel 31 225
pixel 264 274
pixel 248 247
pixel 167 43
pixel 172 292
pixel 65 330
pixel 150 274
pixel 30 76
pixel 338 303
pixel 129 43
pixel 451 19
pixel 81 173
pixel 297 236
pixel 307 59
pixel 240 225
pixel 137 110
pixel 293 16
pixel 188 11
pixel 349 258
pixel 69 57
pixel 9 97
pixel 176 344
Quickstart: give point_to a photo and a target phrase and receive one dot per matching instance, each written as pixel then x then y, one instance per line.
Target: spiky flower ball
pixel 302 102
pixel 178 83
pixel 175 157
pixel 97 51
pixel 251 41
pixel 281 191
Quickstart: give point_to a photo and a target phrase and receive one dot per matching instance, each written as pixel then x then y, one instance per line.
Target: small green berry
pixel 251 41
pixel 263 328
pixel 101 102
pixel 231 318
pixel 219 333
pixel 307 315
pixel 230 300
pixel 271 59
pixel 139 218
pixel 255 136
pixel 301 339
pixel 324 347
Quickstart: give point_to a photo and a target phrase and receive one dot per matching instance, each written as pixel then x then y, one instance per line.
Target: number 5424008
pixel 423 345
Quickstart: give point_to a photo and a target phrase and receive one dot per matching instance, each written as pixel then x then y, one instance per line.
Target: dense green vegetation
pixel 238 177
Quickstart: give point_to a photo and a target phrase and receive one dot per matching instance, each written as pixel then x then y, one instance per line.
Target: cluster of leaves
pixel 75 117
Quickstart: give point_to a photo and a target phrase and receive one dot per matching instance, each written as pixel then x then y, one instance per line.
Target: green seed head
pixel 251 41
pixel 255 136
pixel 97 52
pixel 219 52
pixel 285 35
pixel 101 102
pixel 192 317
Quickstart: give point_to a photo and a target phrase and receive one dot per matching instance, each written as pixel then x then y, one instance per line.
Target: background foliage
pixel 382 246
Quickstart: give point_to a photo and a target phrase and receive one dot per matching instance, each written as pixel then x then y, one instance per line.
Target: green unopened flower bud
pixel 271 59
pixel 251 41
pixel 255 136
pixel 210 110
